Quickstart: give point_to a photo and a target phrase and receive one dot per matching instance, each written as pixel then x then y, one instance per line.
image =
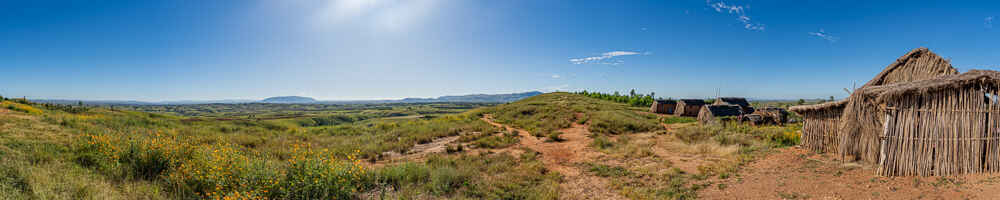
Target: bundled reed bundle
pixel 819 129
pixel 943 126
pixel 861 122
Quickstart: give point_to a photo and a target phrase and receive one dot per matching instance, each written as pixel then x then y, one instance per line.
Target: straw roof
pixel 692 101
pixel 722 110
pixel 664 101
pixel 818 107
pixel 918 64
pixel 739 101
pixel 948 82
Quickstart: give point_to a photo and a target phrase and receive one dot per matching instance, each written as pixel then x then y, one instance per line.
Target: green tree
pixel 801 102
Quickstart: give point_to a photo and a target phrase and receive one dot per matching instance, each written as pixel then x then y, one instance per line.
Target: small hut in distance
pixel 773 115
pixel 737 101
pixel 663 106
pixel 688 107
pixel 714 114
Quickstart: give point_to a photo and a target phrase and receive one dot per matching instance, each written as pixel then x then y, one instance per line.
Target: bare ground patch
pixel 795 173
pixel 566 157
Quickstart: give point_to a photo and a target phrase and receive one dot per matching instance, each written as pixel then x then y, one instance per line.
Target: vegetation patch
pixel 546 114
pixel 496 176
pixel 506 139
pixel 622 122
pixel 678 120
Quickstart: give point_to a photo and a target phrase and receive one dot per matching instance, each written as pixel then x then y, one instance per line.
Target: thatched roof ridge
pixel 818 107
pixel 692 101
pixel 723 110
pixel 971 78
pixel 665 101
pixel 918 64
pixel 740 101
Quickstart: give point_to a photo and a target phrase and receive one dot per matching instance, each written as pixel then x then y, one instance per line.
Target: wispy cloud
pixel 554 88
pixel 556 76
pixel 739 12
pixel 605 58
pixel 386 15
pixel 988 22
pixel 825 36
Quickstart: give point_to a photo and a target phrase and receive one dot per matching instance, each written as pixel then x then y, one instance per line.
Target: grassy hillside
pixel 545 114
pixel 67 152
pixel 62 152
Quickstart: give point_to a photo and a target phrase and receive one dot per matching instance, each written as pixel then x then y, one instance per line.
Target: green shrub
pixel 402 174
pixel 602 142
pixel 446 179
pixel 608 171
pixel 321 178
pixel 497 141
pixel 454 148
pixel 554 136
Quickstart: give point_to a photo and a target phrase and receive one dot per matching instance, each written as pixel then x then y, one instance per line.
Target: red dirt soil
pixel 563 157
pixel 795 173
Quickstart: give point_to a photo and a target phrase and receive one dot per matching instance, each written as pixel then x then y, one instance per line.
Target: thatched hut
pixel 942 126
pixel 663 106
pixel 752 119
pixel 688 107
pixel 773 115
pixel 714 114
pixel 737 101
pixel 860 127
pixel 820 122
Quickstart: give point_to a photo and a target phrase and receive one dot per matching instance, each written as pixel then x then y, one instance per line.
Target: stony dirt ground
pixel 564 157
pixel 787 173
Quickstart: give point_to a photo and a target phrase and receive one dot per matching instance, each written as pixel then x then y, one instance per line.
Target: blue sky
pixel 358 49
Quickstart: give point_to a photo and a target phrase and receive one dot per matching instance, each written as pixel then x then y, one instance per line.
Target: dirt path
pixel 419 151
pixel 565 157
pixel 795 173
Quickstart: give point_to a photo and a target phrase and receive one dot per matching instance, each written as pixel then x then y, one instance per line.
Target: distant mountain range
pixel 475 98
pixel 289 99
pixel 472 98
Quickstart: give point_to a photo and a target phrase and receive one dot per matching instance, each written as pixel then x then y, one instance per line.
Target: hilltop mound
pixel 289 99
pixel 545 114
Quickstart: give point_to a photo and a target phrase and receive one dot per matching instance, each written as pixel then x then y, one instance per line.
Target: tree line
pixel 632 98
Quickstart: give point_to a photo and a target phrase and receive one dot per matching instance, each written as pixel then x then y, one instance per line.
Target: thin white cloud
pixel 739 12
pixel 988 22
pixel 556 76
pixel 825 36
pixel 605 58
pixel 383 14
pixel 554 88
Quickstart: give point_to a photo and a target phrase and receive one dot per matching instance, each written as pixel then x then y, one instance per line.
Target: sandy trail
pixel 565 157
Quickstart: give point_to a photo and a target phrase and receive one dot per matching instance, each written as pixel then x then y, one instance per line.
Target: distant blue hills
pixel 289 99
pixel 472 98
